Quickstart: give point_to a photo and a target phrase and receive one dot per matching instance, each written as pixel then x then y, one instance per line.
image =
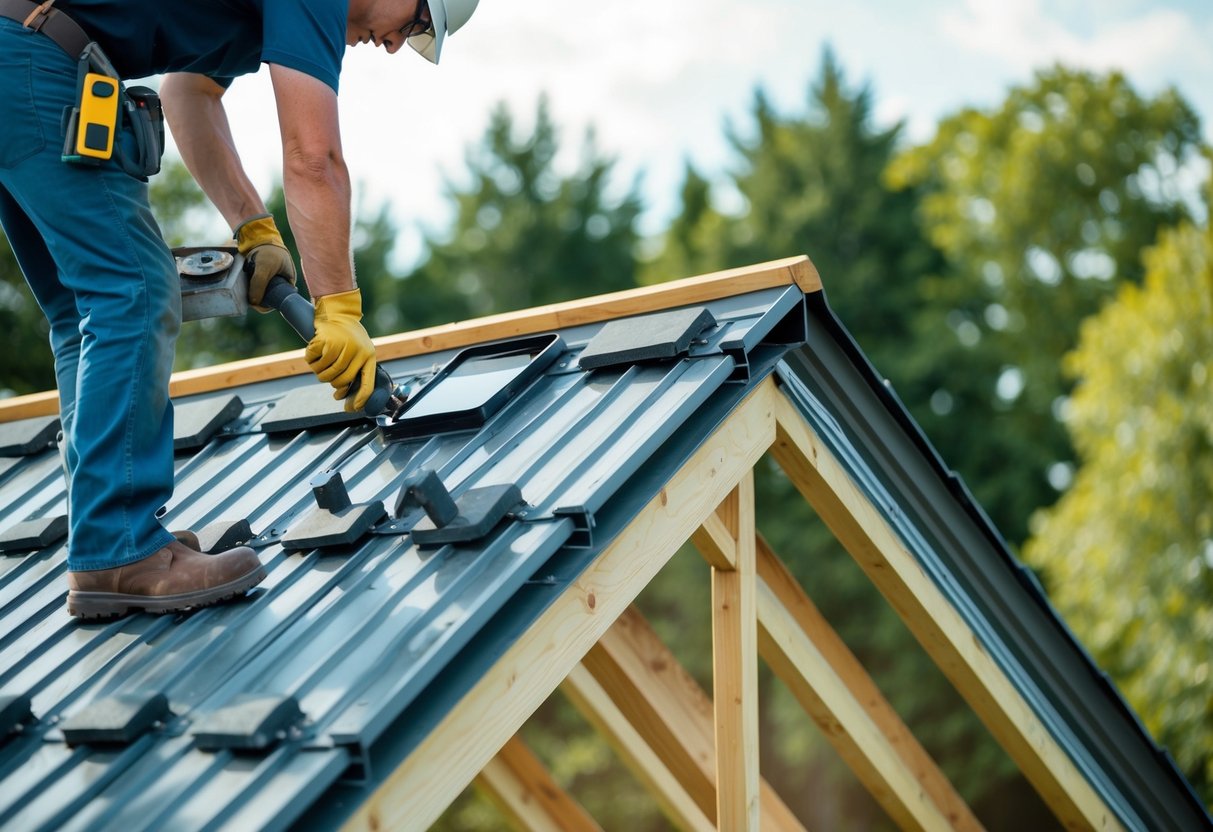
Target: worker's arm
pixel 317 187
pixel 193 107
pixel 315 178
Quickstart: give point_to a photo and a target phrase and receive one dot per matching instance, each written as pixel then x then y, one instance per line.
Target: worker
pixel 74 206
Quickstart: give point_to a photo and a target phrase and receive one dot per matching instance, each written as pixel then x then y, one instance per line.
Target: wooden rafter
pixel 455 751
pixel 609 720
pixel 798 271
pixel 832 686
pixel 523 790
pixel 882 554
pixel 671 713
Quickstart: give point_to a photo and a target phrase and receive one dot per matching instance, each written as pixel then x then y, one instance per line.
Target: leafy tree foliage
pixel 26 365
pixel 1041 206
pixel 524 234
pixel 1128 550
pixel 812 182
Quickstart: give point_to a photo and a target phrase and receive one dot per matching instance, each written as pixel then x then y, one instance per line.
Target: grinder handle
pixel 301 315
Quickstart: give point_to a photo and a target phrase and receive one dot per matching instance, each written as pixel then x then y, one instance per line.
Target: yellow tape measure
pixel 98 117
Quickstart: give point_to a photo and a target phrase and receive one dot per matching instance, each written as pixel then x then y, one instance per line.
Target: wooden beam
pixel 592 700
pixel 798 271
pixel 671 713
pixel 715 542
pixel 735 668
pixel 442 764
pixel 882 554
pixel 832 686
pixel 522 789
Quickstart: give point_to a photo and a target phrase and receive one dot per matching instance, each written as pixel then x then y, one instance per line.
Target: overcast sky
pixel 658 81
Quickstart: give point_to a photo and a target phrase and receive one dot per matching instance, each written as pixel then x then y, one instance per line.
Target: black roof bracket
pixel 471 516
pixel 31 535
pixel 117 720
pixel 250 723
pixel 336 521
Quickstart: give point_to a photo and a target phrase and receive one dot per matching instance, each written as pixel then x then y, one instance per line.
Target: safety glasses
pixel 421 26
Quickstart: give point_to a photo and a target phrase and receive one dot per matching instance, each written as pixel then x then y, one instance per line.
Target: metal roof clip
pixel 252 722
pixel 336 522
pixel 15 713
pixel 470 517
pixel 31 535
pixel 117 720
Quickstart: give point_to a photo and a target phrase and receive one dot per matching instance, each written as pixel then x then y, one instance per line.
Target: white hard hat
pixel 448 16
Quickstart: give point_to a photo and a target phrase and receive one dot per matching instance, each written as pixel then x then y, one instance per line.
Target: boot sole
pixel 114 604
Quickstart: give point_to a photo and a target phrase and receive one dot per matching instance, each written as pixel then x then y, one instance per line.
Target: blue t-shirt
pixel 218 38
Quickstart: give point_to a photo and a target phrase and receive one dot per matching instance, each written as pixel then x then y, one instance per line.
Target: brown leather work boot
pixel 188 538
pixel 174 579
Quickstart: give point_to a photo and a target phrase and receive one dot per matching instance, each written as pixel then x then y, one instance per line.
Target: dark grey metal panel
pixel 356 634
pixel 859 417
pixel 28 436
pixel 512 622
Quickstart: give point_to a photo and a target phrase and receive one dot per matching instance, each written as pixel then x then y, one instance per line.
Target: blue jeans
pixel 95 261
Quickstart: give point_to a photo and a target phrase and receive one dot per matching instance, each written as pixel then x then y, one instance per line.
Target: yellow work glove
pixel 261 244
pixel 342 354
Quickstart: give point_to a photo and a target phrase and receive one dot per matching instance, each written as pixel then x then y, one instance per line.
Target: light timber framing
pixel 832 686
pixel 416 793
pixel 609 720
pixel 671 713
pixel 523 790
pixel 880 552
pixel 696 755
pixel 735 665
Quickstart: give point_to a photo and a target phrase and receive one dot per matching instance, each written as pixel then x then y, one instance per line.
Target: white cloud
pixel 1025 36
pixel 659 79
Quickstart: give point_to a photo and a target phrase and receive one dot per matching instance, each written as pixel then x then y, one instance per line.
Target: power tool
pixel 214 284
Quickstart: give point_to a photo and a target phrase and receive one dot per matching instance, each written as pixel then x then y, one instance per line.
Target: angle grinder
pixel 214 284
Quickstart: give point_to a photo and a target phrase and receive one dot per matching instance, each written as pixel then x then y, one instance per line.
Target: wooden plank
pixel 522 789
pixel 735 670
pixel 798 271
pixel 832 686
pixel 592 700
pixel 671 713
pixel 417 792
pixel 714 541
pixel 881 553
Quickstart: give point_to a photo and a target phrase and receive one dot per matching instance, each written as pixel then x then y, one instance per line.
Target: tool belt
pixel 90 127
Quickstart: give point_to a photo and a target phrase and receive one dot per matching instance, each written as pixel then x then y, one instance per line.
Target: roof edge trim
pixel 797 270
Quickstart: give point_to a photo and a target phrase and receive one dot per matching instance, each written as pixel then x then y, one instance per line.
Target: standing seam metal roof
pixel 354 634
pixel 378 640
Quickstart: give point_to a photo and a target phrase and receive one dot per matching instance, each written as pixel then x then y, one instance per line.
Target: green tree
pixel 524 234
pixel 1128 550
pixel 812 182
pixel 26 365
pixel 695 241
pixel 1041 206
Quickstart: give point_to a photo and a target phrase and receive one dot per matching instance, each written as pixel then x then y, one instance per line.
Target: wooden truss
pixel 698 755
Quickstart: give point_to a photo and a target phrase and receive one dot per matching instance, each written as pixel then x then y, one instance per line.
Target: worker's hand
pixel 261 244
pixel 342 354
